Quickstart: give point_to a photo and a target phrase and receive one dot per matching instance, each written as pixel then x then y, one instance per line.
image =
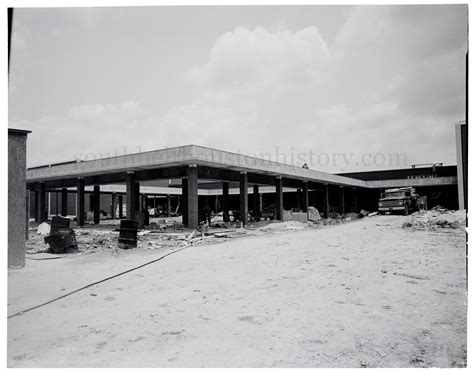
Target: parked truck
pixel 401 200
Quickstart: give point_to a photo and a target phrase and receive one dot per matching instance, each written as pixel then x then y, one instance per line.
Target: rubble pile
pixel 436 219
pixel 283 226
pixel 169 234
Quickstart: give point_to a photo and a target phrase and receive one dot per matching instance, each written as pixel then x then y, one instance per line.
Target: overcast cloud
pixel 353 80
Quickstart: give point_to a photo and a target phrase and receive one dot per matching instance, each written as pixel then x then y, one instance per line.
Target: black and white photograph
pixel 249 186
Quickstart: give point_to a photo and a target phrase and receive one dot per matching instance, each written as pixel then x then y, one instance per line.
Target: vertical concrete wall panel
pixel 16 198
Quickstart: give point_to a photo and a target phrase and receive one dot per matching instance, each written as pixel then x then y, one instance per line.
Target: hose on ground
pixel 96 283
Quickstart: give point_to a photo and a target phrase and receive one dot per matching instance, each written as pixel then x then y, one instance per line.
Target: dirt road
pixel 362 294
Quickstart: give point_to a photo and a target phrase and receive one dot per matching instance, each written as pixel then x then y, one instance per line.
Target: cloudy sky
pixel 346 88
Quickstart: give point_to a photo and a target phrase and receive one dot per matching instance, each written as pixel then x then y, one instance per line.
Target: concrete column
pixel 144 202
pixel 225 201
pixel 244 198
pixel 137 197
pixel 96 204
pixel 257 201
pixel 131 196
pixel 298 199
pixel 461 132
pixel 192 195
pixel 355 200
pixel 184 200
pixel 114 202
pixel 305 196
pixel 279 198
pixel 326 201
pixel 168 204
pixel 64 202
pixel 27 214
pixel 16 198
pixel 36 206
pixel 342 204
pixel 80 202
pixel 42 214
pixel 140 202
pixel 120 204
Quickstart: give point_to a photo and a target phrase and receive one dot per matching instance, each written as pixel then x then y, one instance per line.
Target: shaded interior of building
pixel 192 191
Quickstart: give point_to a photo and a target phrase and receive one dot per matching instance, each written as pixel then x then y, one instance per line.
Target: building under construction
pixel 183 180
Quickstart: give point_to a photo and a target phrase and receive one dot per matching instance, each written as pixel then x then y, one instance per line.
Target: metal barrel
pixel 58 223
pixel 127 234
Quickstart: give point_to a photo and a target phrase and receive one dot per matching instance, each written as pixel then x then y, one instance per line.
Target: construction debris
pixel 291 216
pixel 283 226
pixel 436 219
pixel 143 232
pixel 313 214
pixel 44 229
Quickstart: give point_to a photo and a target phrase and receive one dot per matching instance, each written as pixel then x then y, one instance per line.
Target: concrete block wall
pixel 17 223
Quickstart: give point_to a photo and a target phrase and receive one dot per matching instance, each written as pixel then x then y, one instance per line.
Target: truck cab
pixel 401 200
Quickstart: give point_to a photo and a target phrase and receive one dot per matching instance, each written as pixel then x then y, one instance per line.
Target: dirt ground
pixel 367 293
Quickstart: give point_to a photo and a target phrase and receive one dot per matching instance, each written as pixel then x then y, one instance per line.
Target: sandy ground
pixel 363 294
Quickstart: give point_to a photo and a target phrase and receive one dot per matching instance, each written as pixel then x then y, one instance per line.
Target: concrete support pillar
pixel 257 201
pixel 64 202
pixel 342 204
pixel 137 196
pixel 27 214
pixel 192 195
pixel 42 213
pixel 131 195
pixel 16 205
pixel 244 198
pixel 326 201
pixel 279 198
pixel 120 206
pixel 305 196
pixel 96 204
pixel 225 201
pixel 461 132
pixel 36 206
pixel 298 199
pixel 184 200
pixel 168 204
pixel 144 202
pixel 355 199
pixel 80 202
pixel 114 202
